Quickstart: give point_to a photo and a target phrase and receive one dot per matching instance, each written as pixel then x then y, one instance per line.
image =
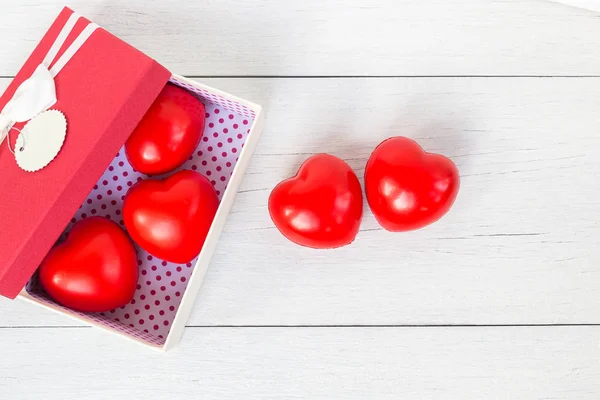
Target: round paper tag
pixel 40 140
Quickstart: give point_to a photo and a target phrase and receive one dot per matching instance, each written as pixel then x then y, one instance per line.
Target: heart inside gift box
pixel 150 315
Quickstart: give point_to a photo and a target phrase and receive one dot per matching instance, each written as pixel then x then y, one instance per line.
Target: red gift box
pixel 104 90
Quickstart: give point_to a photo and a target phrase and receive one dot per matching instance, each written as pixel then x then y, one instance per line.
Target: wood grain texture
pixel 333 37
pixel 306 363
pixel 519 246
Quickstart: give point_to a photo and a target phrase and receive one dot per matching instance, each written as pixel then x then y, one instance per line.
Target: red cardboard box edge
pixel 14 276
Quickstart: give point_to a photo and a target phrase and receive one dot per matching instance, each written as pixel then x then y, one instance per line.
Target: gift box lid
pixel 104 90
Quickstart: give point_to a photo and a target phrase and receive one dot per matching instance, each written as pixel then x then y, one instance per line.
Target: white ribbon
pixel 34 95
pixel 38 93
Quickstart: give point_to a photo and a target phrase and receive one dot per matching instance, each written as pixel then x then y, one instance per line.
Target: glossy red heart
pixel 408 188
pixel 321 207
pixel 94 270
pixel 168 133
pixel 170 218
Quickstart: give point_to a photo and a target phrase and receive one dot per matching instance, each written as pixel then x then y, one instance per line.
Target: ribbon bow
pixel 38 93
pixel 34 96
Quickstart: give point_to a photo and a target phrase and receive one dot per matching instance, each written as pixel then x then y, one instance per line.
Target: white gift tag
pixel 40 140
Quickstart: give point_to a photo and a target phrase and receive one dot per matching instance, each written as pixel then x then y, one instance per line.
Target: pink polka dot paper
pixel 160 288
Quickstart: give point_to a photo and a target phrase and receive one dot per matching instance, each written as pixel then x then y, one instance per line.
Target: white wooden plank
pixel 299 363
pixel 520 245
pixel 592 5
pixel 334 37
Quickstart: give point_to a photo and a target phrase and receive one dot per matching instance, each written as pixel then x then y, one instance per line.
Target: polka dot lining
pixel 150 314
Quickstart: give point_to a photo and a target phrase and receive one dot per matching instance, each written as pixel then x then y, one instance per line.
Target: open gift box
pixel 103 88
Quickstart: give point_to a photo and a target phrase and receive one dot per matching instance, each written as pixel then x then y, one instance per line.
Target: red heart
pixel 170 218
pixel 168 133
pixel 94 270
pixel 408 188
pixel 320 207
